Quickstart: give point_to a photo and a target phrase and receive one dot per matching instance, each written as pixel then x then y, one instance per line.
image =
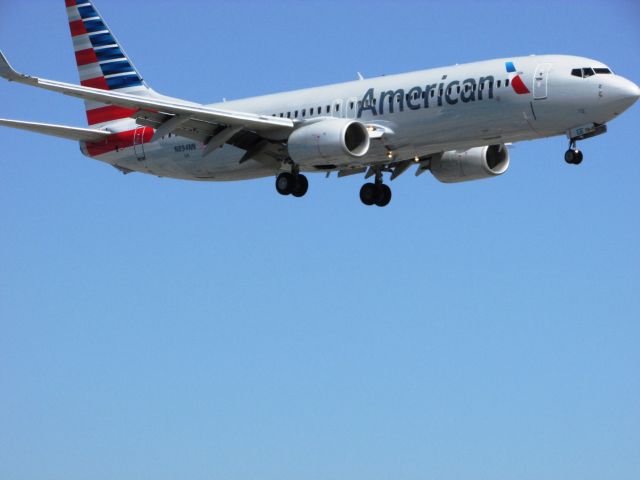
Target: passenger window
pixel 499 82
pixel 506 82
pixel 304 112
pixel 433 93
pixel 311 111
pixel 281 115
pixel 337 107
pixel 296 114
pixel 288 114
pixel 328 109
pixel 351 105
pixel 458 89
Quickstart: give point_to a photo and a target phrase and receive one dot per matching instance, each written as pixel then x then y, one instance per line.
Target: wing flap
pixel 61 131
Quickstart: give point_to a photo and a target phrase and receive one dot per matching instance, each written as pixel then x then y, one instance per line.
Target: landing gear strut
pixel 573 156
pixel 294 184
pixel 376 193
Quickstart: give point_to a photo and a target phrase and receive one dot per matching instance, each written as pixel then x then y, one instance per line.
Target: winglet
pixel 6 70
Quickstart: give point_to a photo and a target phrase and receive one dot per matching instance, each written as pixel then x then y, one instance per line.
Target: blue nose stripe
pixel 511 68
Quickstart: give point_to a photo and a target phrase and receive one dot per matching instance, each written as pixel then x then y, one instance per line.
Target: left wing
pixel 185 111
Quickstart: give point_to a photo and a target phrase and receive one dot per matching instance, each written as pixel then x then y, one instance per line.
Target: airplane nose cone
pixel 623 90
pixel 635 92
pixel 620 94
pixel 631 91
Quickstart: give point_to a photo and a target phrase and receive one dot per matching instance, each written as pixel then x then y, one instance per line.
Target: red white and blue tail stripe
pixel 102 63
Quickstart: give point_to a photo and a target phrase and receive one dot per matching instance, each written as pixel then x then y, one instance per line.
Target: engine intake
pixel 332 141
pixel 473 164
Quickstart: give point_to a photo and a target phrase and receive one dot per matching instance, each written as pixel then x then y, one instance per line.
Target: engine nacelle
pixel 473 164
pixel 330 142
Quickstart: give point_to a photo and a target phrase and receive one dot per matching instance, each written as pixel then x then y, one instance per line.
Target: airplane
pixel 455 122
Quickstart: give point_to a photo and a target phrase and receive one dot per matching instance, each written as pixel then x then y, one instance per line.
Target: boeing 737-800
pixel 453 121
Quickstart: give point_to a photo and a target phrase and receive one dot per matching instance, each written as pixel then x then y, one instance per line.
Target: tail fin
pixel 102 63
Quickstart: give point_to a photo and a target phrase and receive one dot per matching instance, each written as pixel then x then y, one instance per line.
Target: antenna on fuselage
pixel 360 77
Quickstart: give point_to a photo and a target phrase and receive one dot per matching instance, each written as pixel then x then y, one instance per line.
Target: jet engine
pixel 329 143
pixel 473 164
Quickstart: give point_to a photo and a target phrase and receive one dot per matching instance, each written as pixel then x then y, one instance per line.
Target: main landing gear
pixel 573 156
pixel 294 184
pixel 376 193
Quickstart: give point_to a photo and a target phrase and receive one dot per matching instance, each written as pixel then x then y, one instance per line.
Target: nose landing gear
pixel 573 156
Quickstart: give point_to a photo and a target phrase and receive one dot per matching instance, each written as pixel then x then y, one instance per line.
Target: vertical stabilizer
pixel 102 63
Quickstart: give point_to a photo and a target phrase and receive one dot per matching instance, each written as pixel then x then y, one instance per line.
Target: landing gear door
pixel 541 81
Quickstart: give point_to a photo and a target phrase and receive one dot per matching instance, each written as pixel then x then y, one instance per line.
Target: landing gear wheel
pixel 368 194
pixel 383 195
pixel 578 159
pixel 301 186
pixel 285 183
pixel 573 156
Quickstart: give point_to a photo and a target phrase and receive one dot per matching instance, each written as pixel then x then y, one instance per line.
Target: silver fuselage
pixel 422 113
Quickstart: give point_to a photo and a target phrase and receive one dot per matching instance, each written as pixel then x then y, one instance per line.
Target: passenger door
pixel 138 142
pixel 541 81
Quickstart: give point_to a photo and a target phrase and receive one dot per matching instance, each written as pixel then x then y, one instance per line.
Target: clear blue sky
pixel 161 329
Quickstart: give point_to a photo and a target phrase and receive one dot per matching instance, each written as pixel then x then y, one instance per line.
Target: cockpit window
pixel 588 72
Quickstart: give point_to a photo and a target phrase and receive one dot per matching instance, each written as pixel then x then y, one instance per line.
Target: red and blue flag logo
pixel 516 82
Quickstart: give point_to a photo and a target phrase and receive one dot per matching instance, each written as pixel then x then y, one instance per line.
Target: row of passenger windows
pixel 588 72
pixel 313 111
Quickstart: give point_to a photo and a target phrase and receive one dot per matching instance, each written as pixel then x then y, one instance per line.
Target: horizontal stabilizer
pixel 70 133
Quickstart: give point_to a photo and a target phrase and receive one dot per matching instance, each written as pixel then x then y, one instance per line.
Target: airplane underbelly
pixel 183 159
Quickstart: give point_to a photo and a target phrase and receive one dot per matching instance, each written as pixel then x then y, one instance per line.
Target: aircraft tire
pixel 383 195
pixel 368 194
pixel 285 183
pixel 579 158
pixel 573 156
pixel 301 186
